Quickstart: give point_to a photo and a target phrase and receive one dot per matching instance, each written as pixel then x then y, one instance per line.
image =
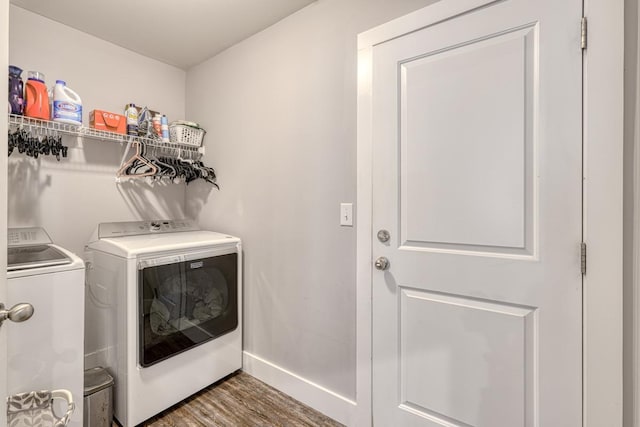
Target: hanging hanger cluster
pixel 170 163
pixel 174 162
pixel 34 144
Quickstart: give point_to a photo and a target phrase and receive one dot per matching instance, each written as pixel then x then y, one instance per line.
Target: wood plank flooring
pixel 240 400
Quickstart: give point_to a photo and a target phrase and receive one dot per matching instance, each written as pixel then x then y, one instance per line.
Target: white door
pixel 477 177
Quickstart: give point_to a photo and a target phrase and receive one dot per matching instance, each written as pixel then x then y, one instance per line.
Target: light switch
pixel 346 214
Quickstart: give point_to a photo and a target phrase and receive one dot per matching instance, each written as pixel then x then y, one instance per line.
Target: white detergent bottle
pixel 67 105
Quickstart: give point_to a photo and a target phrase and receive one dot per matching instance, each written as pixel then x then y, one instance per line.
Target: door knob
pixel 383 236
pixel 18 313
pixel 381 263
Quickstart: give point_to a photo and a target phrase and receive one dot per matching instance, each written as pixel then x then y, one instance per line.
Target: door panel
pixel 459 355
pixel 477 175
pixel 485 85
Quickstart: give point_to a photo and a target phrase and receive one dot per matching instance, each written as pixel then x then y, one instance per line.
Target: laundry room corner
pixel 280 112
pixel 321 212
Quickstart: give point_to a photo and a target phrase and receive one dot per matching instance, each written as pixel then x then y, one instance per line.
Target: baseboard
pixel 319 398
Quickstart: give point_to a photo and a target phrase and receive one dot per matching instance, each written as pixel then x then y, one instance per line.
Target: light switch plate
pixel 346 214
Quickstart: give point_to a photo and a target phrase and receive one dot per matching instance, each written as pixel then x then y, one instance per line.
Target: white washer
pixel 163 311
pixel 45 352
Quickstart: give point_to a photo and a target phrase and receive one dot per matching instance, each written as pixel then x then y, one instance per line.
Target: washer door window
pixel 184 304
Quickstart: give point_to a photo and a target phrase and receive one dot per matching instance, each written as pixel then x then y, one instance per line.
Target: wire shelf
pixel 89 133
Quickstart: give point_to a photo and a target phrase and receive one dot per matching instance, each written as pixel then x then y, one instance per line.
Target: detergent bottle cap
pixel 61 82
pixel 35 75
pixel 16 71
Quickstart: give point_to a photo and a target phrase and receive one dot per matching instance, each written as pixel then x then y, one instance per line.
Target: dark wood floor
pixel 237 401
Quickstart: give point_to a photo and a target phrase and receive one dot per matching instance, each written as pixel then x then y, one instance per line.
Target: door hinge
pixel 583 33
pixel 583 258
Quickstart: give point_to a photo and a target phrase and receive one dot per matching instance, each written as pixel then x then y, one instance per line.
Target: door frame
pixel 602 203
pixel 4 56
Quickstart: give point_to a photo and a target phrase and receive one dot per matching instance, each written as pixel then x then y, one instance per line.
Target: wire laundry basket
pixel 35 408
pixel 187 133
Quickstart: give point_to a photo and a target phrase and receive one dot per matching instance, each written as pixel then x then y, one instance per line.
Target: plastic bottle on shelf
pixel 164 124
pixel 37 97
pixel 131 114
pixel 16 90
pixel 67 105
pixel 50 93
pixel 157 125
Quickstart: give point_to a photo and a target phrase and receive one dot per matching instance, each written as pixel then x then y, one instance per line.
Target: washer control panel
pixel 132 228
pixel 31 236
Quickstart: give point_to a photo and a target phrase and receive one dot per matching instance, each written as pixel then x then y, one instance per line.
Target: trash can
pixel 98 398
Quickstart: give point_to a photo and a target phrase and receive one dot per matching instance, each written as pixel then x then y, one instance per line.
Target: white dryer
pixel 163 311
pixel 45 352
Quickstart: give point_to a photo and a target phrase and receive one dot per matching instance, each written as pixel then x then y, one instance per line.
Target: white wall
pixel 280 111
pixel 69 198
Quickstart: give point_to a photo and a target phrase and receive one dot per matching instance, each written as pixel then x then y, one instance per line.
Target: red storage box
pixel 110 122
